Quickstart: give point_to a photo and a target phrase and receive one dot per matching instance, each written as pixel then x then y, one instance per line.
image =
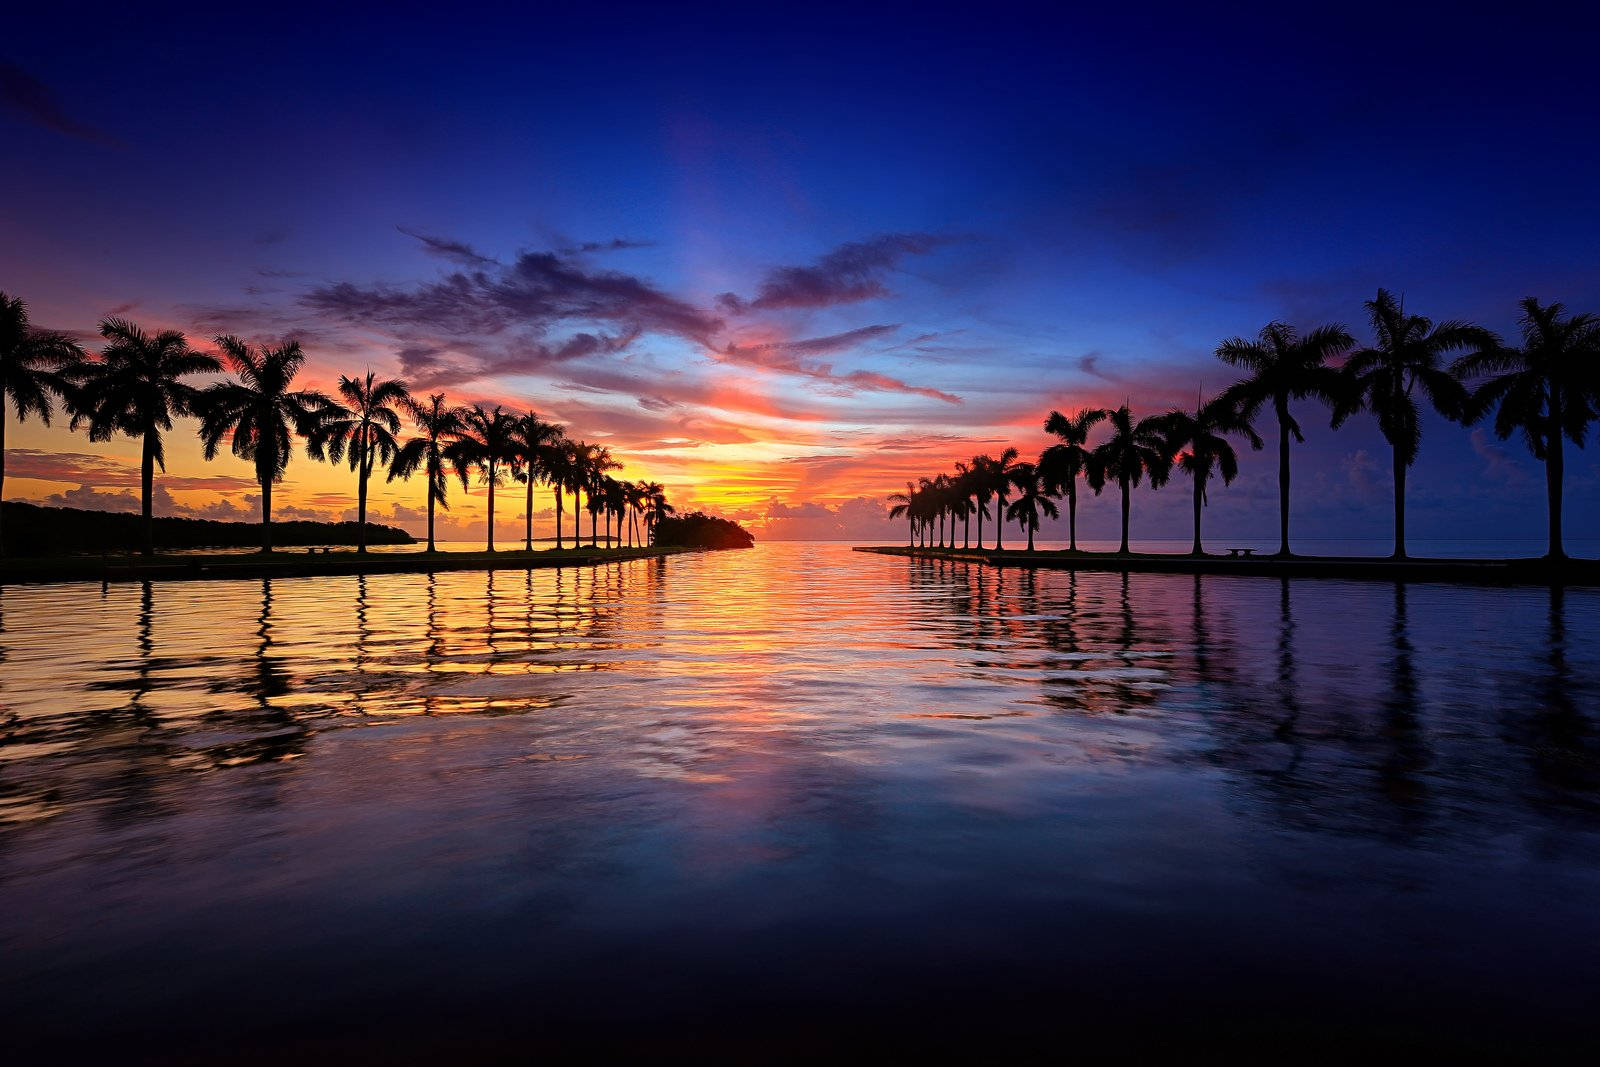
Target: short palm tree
pixel 437 425
pixel 136 388
pixel 1134 451
pixel 363 428
pixel 1285 366
pixel 258 413
pixel 1064 463
pixel 1407 358
pixel 1547 389
pixel 998 478
pixel 1033 497
pixel 1199 440
pixel 904 506
pixel 486 443
pixel 31 362
pixel 535 443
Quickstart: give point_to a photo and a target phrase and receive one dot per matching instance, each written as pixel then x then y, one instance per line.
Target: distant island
pixel 699 530
pixel 32 530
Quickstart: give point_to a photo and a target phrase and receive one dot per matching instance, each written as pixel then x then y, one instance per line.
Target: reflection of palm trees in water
pixel 1558 737
pixel 1288 692
pixel 270 681
pixel 1398 774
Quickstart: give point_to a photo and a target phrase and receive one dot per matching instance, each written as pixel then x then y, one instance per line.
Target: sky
pixel 784 258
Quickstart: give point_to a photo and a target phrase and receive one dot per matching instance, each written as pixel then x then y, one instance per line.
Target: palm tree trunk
pixel 2 472
pixel 364 468
pixel 594 541
pixel 266 514
pixel 491 472
pixel 431 502
pixel 999 519
pixel 1072 514
pixel 527 536
pixel 1399 507
pixel 1283 480
pixel 577 520
pixel 978 508
pixel 1030 536
pixel 147 478
pixel 1199 502
pixel 966 530
pixel 559 518
pixel 1125 503
pixel 1554 464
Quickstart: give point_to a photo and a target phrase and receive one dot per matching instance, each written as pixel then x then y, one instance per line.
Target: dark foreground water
pixel 792 800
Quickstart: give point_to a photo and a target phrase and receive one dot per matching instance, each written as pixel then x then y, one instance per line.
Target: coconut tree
pixel 615 495
pixel 579 463
pixel 1548 388
pixel 1199 440
pixel 1285 366
pixel 362 428
pixel 904 506
pixel 1135 450
pixel 136 387
pixel 534 444
pixel 1033 497
pixel 1407 358
pixel 486 443
pixel 637 500
pixel 656 495
pixel 258 413
pixel 998 477
pixel 982 490
pixel 1063 464
pixel 558 472
pixel 31 365
pixel 438 426
pixel 597 461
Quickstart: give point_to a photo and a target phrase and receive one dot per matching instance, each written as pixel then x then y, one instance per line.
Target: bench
pixel 1235 553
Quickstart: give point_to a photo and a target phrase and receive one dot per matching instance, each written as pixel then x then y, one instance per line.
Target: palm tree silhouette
pixel 656 495
pixel 1032 498
pixel 258 412
pixel 136 387
pixel 597 460
pixel 438 425
pixel 535 443
pixel 1062 464
pixel 961 506
pixel 1407 358
pixel 903 506
pixel 559 473
pixel 981 490
pixel 637 499
pixel 999 480
pixel 1133 451
pixel 1549 388
pixel 365 430
pixel 31 362
pixel 1202 439
pixel 487 443
pixel 1285 366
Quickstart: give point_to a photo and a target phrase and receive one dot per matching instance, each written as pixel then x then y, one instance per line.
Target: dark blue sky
pixel 935 225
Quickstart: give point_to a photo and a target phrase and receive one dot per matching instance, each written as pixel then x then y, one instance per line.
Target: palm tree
pixel 616 499
pixel 1134 450
pixel 1547 389
pixel 1032 498
pixel 904 506
pixel 438 425
pixel 558 473
pixel 999 481
pixel 656 494
pixel 258 413
pixel 580 455
pixel 1284 366
pixel 637 499
pixel 1202 438
pixel 365 430
pixel 596 461
pixel 982 490
pixel 536 441
pixel 1407 357
pixel 31 362
pixel 1062 464
pixel 136 387
pixel 487 442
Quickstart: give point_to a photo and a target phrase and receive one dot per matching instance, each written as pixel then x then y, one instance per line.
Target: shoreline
pixel 1535 571
pixel 196 566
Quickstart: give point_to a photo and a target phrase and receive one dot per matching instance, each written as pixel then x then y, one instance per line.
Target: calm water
pixel 758 801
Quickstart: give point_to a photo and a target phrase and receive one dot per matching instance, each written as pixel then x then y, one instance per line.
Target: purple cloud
pixel 849 274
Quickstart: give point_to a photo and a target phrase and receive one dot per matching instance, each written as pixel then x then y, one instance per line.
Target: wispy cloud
pixel 798 357
pixel 446 248
pixel 29 97
pixel 849 274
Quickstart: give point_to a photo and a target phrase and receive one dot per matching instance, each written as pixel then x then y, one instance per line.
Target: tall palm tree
pixel 580 458
pixel 961 506
pixel 363 428
pixel 559 474
pixel 1547 389
pixel 999 480
pixel 1285 366
pixel 1199 439
pixel 616 500
pixel 597 462
pixel 31 362
pixel 136 387
pixel 903 506
pixel 1062 464
pixel 487 444
pixel 535 442
pixel 258 413
pixel 659 509
pixel 1033 497
pixel 637 499
pixel 981 488
pixel 1133 451
pixel 438 426
pixel 1407 357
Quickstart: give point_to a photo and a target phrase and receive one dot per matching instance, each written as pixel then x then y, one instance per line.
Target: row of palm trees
pixel 1547 389
pixel 140 382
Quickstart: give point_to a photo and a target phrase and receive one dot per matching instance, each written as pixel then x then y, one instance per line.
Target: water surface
pixel 761 801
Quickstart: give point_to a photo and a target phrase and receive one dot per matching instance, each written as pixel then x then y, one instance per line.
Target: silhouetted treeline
pixel 32 530
pixel 699 530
